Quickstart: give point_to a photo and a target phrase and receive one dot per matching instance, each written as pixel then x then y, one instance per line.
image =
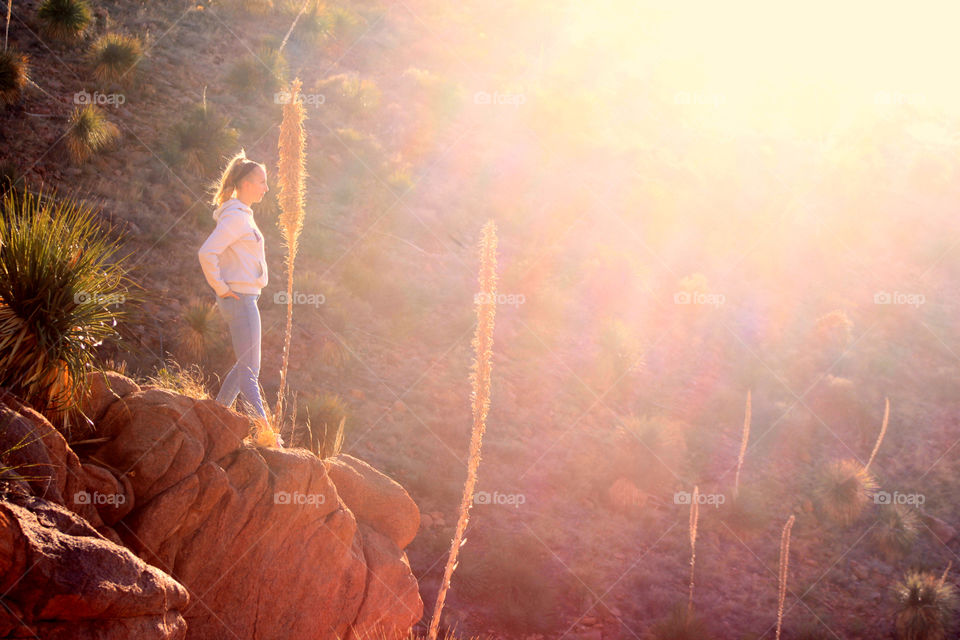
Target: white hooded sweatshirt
pixel 232 257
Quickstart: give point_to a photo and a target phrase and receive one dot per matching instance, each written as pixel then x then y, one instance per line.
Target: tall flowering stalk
pixel 883 431
pixel 291 178
pixel 743 447
pixel 694 517
pixel 784 565
pixel 480 378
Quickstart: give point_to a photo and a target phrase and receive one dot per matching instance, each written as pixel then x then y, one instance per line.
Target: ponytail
pixel 237 168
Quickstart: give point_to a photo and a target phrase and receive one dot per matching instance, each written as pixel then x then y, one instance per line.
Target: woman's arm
pixel 229 228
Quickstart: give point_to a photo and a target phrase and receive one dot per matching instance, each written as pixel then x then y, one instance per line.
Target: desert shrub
pixel 62 292
pixel 114 57
pixel 88 132
pixel 926 607
pixel 844 488
pixel 14 75
pixel 64 20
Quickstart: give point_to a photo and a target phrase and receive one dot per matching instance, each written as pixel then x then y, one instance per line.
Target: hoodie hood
pixel 233 204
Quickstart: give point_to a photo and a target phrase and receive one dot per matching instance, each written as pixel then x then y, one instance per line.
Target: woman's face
pixel 253 185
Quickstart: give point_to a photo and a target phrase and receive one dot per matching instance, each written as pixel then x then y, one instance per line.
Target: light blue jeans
pixel 243 317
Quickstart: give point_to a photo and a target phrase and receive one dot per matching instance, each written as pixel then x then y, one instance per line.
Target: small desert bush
pixel 201 328
pixel 10 177
pixel 62 292
pixel 64 20
pixel 14 75
pixel 513 577
pixel 114 57
pixel 314 25
pixel 681 625
pixel 323 426
pixel 88 132
pixel 353 95
pixel 201 139
pixel 897 530
pixel 189 381
pixel 261 73
pixel 926 607
pixel 251 7
pixel 844 489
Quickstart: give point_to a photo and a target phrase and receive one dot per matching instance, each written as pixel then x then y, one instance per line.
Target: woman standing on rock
pixel 234 264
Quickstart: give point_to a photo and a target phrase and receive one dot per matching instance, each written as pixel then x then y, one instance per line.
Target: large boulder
pixel 257 533
pixel 61 579
pixel 230 540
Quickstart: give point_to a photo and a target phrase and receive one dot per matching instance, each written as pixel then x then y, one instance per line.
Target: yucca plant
pixel 784 569
pixel 480 382
pixel 262 72
pixel 844 489
pixel 927 605
pixel 897 530
pixel 114 57
pixel 201 139
pixel 291 176
pixel 14 75
pixel 64 20
pixel 62 293
pixel 199 330
pixel 88 132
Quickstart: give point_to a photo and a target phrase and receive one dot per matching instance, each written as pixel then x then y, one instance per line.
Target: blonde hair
pixel 237 168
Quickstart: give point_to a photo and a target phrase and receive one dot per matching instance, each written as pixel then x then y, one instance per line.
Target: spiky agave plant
pixel 114 56
pixel 897 529
pixel 199 329
pixel 88 132
pixel 927 604
pixel 14 75
pixel 845 487
pixel 262 72
pixel 291 176
pixel 62 292
pixel 480 382
pixel 201 139
pixel 64 20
